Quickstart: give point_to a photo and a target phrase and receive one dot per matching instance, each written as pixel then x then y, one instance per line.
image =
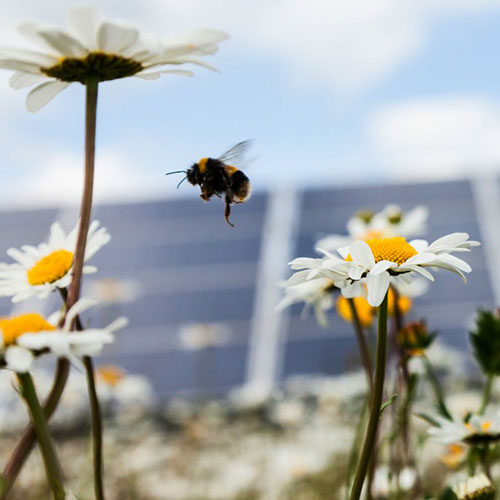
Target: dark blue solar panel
pixel 191 266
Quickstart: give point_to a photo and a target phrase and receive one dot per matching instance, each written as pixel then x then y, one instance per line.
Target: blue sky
pixel 372 91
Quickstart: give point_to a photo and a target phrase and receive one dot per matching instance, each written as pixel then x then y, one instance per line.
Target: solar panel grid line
pixel 263 364
pixel 486 195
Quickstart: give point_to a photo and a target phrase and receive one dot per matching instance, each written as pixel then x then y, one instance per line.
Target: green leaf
pixel 485 340
pixel 447 494
pixel 388 403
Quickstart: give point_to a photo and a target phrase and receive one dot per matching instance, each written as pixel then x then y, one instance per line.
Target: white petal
pixel 180 60
pixel 377 286
pixel 418 269
pixel 28 56
pixel 57 236
pixel 117 324
pixel 80 306
pixel 18 358
pixel 449 241
pixel 115 38
pixel 455 262
pixel 43 94
pixel 17 65
pixel 352 290
pixel 361 254
pixel 62 43
pixel 419 245
pixel 83 22
pixel 355 272
pixel 422 258
pixel 155 75
pixel 382 266
pixel 453 269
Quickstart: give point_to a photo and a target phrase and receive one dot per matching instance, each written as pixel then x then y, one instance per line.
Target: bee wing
pixel 236 152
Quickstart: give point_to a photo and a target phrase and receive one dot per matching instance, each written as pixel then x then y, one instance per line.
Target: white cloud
pixel 59 180
pixel 436 138
pixel 345 45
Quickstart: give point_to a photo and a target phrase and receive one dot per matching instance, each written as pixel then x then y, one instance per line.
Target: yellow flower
pixel 365 311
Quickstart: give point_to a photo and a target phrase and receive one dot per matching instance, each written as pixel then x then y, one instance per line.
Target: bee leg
pixel 227 212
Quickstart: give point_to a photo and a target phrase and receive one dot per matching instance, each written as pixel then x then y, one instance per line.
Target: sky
pixel 330 92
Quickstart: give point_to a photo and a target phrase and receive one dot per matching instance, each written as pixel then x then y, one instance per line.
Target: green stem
pixel 356 444
pixel 376 403
pixel 74 289
pixel 363 346
pixel 25 444
pixel 95 412
pixel 487 393
pixel 52 467
pixel 88 187
pixel 436 387
pixel 485 460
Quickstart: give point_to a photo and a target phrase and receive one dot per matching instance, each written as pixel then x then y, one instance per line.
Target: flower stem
pixel 26 442
pixel 487 393
pixel 91 86
pixel 436 387
pixel 52 467
pixel 363 346
pixel 88 187
pixel 376 403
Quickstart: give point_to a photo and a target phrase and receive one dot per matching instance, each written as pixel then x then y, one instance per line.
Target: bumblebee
pixel 216 176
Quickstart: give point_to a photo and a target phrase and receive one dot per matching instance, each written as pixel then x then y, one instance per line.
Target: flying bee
pixel 216 176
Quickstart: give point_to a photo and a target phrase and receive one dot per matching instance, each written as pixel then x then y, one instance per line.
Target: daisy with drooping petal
pixel 14 356
pixel 92 47
pixel 316 291
pixel 308 286
pixel 25 336
pixel 373 264
pixel 476 431
pixel 389 222
pixel 41 269
pixel 71 344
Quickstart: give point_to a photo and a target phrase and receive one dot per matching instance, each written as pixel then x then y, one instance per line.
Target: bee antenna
pixel 183 179
pixel 177 172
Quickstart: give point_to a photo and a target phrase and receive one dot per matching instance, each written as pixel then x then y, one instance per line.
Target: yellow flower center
pixel 12 328
pixel 50 268
pixel 485 427
pixel 393 249
pixel 110 374
pixel 98 65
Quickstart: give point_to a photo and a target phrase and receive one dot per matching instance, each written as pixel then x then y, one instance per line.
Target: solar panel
pixel 187 269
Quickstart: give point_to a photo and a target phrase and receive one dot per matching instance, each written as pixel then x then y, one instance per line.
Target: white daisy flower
pixel 71 344
pixel 389 222
pixel 308 286
pixel 477 487
pixel 25 336
pixel 479 429
pixel 373 264
pixel 41 269
pixel 92 47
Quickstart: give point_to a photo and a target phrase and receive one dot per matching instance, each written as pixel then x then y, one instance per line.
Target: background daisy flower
pixel 374 263
pixel 92 47
pixel 70 344
pixel 391 221
pixel 13 355
pixel 40 270
pixel 477 430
